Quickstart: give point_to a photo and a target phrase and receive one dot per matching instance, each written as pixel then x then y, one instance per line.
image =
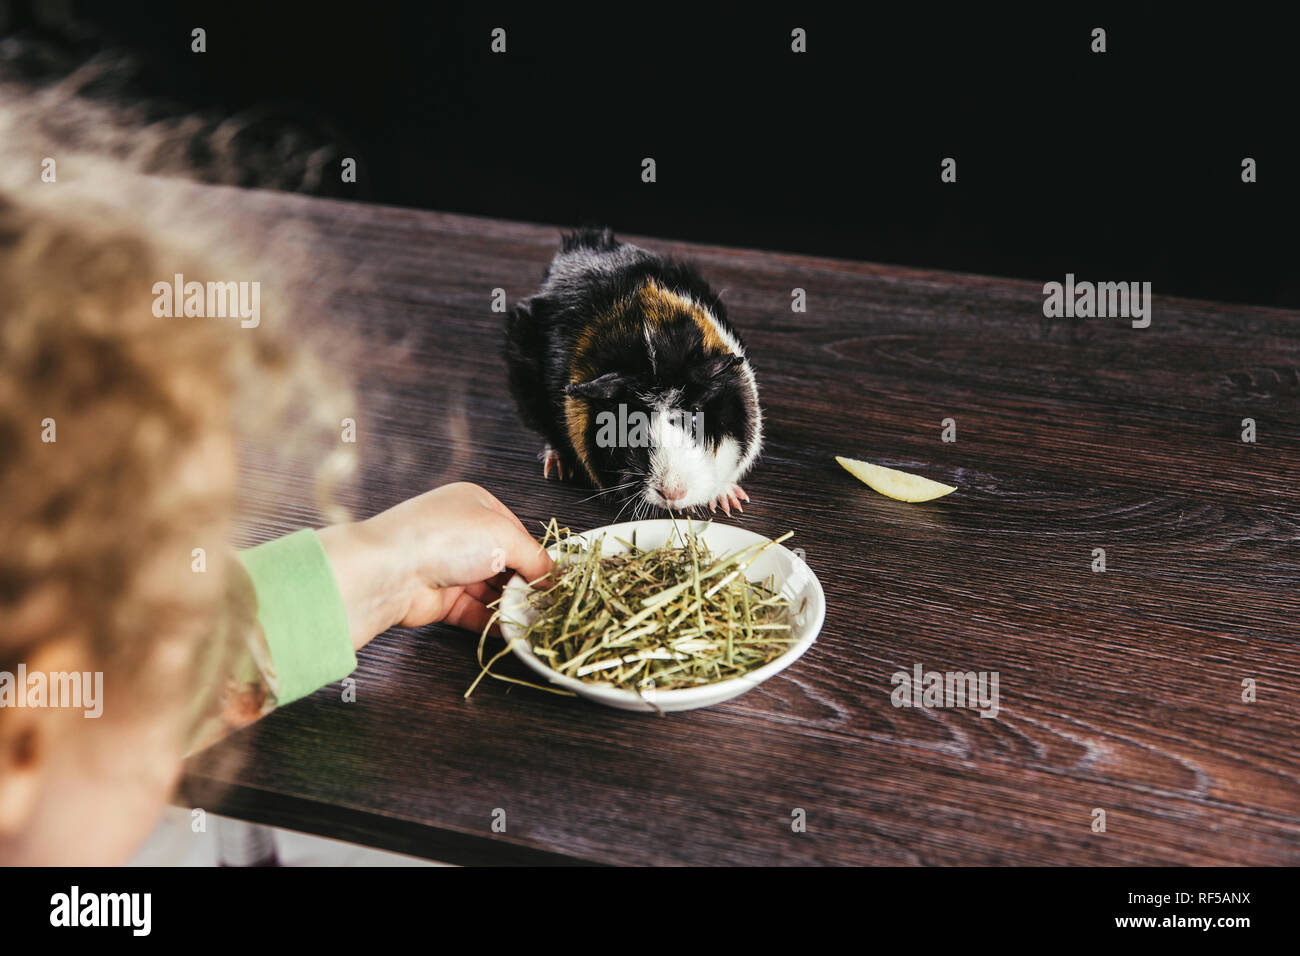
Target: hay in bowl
pixel 698 614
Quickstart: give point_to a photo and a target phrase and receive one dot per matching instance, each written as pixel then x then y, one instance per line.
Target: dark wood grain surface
pixel 1119 690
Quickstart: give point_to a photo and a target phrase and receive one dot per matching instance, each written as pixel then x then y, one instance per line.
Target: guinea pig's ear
pixel 603 387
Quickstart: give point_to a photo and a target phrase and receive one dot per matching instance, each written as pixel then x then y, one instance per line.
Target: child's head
pixel 117 463
pixel 119 438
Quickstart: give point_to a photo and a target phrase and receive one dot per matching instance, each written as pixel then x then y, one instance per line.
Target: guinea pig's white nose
pixel 673 493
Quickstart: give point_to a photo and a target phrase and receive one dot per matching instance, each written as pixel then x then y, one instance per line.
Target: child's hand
pixel 441 556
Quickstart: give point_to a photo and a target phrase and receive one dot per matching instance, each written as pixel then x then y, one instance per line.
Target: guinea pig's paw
pixel 551 459
pixel 729 499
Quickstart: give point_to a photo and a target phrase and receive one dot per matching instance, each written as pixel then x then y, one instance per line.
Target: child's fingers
pixel 499 581
pixel 495 504
pixel 486 591
pixel 470 613
pixel 525 555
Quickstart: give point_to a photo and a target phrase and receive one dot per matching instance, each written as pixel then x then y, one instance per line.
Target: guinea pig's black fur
pixel 627 365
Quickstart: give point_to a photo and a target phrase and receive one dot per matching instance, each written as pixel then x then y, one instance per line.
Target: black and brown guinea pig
pixel 626 364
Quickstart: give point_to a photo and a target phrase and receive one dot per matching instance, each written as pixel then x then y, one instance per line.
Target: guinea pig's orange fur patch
pixel 662 306
pixel 576 417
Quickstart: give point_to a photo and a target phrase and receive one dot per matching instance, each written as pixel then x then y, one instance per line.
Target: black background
pixel 309 906
pixel 1122 166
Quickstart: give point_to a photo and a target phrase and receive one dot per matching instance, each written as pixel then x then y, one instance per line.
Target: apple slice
pixel 899 485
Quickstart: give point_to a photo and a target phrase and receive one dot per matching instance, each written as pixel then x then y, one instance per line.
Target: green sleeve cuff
pixel 301 613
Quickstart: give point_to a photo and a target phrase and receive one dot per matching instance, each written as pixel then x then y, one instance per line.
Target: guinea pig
pixel 626 364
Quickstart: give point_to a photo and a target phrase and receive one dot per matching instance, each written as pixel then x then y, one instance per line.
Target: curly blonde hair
pixel 100 399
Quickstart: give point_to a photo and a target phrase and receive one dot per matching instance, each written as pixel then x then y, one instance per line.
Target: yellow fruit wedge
pixel 899 485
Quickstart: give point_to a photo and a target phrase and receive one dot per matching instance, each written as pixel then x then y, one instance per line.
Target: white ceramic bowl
pixel 793 578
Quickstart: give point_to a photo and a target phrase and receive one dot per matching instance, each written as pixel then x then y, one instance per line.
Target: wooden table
pixel 1120 691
